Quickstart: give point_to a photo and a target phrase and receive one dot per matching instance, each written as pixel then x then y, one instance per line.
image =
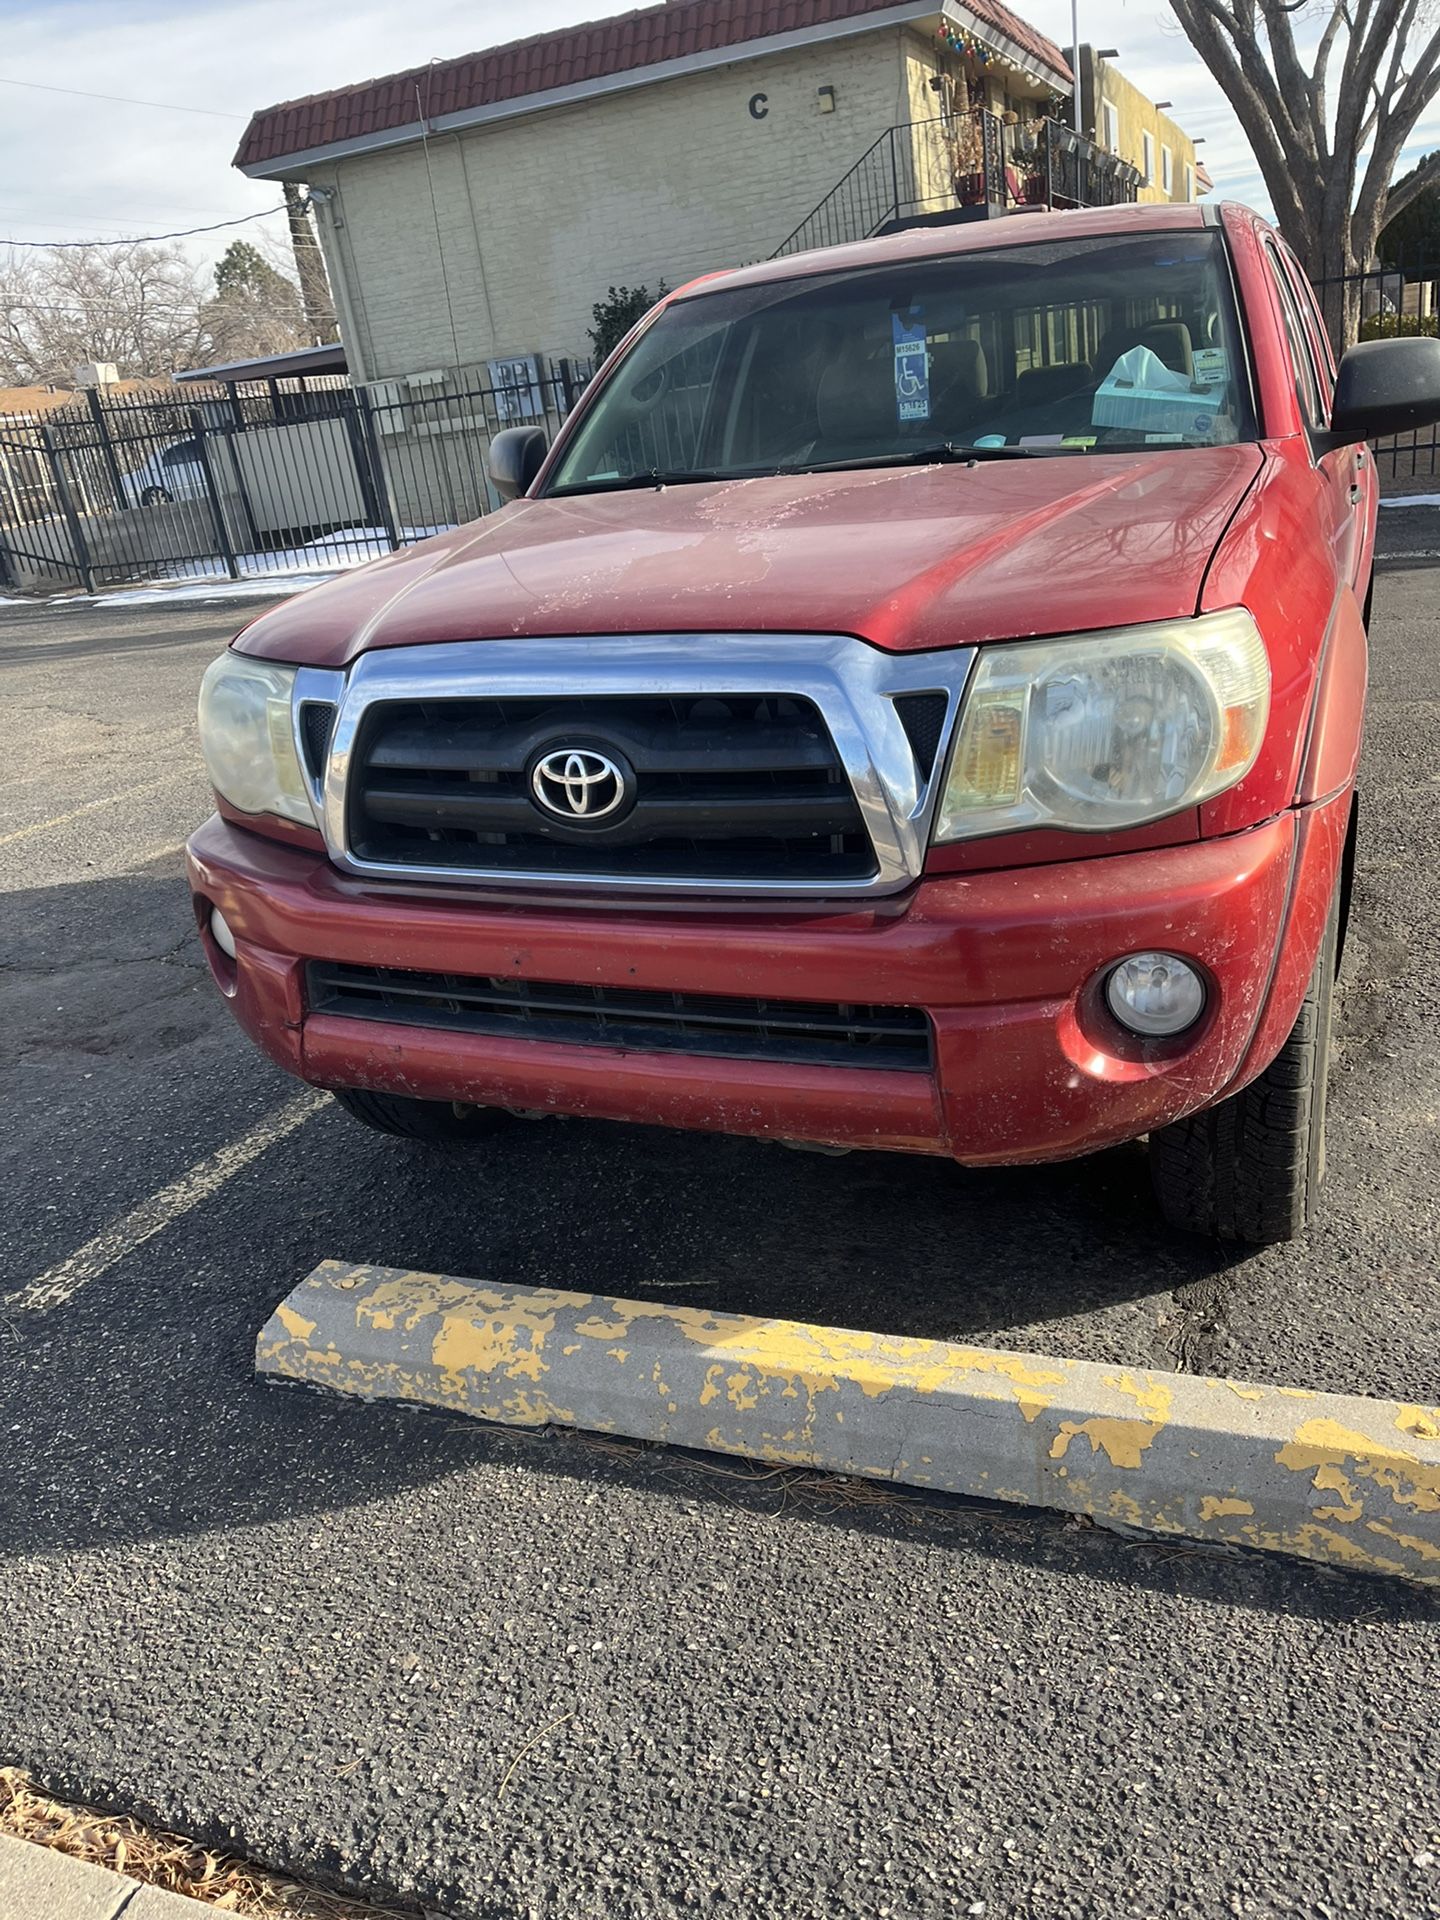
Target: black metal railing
pixel 281 477
pixel 953 163
pixel 1392 300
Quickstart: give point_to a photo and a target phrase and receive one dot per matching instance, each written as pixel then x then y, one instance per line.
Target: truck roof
pixel 969 236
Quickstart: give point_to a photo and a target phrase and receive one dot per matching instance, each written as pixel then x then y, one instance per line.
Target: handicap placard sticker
pixel 912 367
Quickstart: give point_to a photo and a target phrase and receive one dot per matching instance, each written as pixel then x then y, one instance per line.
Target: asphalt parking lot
pixel 515 1676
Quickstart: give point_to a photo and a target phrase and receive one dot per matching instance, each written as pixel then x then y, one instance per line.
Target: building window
pixel 1167 171
pixel 1189 181
pixel 1110 125
pixel 1147 160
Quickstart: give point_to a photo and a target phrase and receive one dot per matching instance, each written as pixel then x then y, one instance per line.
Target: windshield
pixel 1068 347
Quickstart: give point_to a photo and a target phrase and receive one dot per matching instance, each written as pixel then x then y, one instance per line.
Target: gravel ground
pixel 518 1676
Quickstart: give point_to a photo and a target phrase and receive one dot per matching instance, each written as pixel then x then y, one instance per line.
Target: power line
pixel 121 99
pixel 155 210
pixel 142 239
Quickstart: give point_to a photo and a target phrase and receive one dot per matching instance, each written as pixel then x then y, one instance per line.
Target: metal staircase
pixel 967 165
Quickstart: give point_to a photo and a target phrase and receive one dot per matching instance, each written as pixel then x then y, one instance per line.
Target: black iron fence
pixel 277 478
pixel 1390 302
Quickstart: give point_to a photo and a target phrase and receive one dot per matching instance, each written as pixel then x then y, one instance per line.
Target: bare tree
pixel 1383 57
pixel 136 305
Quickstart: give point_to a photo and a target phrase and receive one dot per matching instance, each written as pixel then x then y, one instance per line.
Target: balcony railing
pixel 960 165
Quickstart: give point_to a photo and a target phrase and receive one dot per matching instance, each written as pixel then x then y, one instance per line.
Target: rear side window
pixel 1302 352
pixel 1305 294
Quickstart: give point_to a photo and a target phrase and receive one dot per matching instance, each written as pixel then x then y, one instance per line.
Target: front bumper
pixel 1008 965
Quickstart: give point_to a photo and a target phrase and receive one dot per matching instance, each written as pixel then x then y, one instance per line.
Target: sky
pixel 78 168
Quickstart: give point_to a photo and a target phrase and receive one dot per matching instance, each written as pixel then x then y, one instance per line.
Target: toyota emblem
pixel 579 784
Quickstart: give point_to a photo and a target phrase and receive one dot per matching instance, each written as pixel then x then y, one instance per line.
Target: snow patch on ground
pixel 271 574
pixel 1412 500
pixel 277 586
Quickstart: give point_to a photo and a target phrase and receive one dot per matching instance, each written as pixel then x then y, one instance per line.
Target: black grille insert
pixel 628 1018
pixel 923 717
pixel 739 787
pixel 317 721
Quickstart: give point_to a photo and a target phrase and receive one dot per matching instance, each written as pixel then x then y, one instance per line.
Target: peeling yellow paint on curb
pixel 295 1324
pixel 1216 1506
pixel 1333 1478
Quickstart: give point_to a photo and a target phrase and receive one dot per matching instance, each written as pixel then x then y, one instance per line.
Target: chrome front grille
pixel 745 786
pixel 754 765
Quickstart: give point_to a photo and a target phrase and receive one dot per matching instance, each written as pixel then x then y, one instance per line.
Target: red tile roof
pixel 571 57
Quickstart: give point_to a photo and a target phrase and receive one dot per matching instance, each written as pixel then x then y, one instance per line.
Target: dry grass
pixel 167 1860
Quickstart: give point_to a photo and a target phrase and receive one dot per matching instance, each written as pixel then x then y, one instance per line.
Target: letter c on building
pixel 758 107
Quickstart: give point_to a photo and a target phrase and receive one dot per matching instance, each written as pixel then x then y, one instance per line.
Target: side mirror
pixel 1383 387
pixel 516 456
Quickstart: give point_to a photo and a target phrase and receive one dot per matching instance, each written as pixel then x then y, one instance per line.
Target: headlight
pixel 247 736
pixel 1106 730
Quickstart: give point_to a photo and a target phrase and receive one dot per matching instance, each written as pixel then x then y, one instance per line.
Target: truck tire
pixel 1250 1169
pixel 396 1113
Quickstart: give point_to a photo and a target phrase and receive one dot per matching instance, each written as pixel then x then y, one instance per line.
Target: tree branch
pixel 1374 31
pixel 1410 189
pixel 1318 103
pixel 1294 82
pixel 1249 86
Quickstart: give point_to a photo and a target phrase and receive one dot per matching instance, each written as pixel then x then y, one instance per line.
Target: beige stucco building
pixel 476 211
pixel 473 212
pixel 1119 117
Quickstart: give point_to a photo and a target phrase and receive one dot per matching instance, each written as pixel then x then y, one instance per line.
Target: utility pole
pixel 1074 66
pixel 310 266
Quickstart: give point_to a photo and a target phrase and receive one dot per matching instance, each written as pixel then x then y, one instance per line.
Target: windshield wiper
pixel 653 477
pixel 943 451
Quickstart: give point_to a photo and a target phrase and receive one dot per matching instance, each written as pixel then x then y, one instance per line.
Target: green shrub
pixel 1398 326
pixel 617 313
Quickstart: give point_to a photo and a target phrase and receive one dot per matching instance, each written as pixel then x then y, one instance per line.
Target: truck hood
pixel 908 558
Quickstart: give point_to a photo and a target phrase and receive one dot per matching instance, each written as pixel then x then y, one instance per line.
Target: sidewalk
pixel 38 1883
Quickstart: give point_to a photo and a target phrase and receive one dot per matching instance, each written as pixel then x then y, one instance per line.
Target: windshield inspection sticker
pixel 1210 366
pixel 912 367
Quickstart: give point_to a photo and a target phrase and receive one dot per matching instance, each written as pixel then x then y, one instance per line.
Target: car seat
pixel 1042 386
pixel 959 386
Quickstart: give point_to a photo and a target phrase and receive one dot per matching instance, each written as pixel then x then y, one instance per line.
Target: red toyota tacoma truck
pixel 915 704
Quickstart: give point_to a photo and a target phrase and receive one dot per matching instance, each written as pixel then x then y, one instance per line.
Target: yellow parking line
pixel 93 806
pixel 162 1209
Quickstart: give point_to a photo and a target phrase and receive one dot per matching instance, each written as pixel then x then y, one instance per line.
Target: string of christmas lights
pixel 958 40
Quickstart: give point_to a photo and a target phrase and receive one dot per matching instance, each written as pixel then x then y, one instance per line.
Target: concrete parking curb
pixel 40 1883
pixel 1331 1477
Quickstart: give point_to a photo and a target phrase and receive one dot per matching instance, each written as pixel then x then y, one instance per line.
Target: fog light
pixel 1155 993
pixel 220 932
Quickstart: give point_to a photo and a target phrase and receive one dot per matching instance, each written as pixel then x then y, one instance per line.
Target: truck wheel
pixel 1250 1169
pixel 416 1119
